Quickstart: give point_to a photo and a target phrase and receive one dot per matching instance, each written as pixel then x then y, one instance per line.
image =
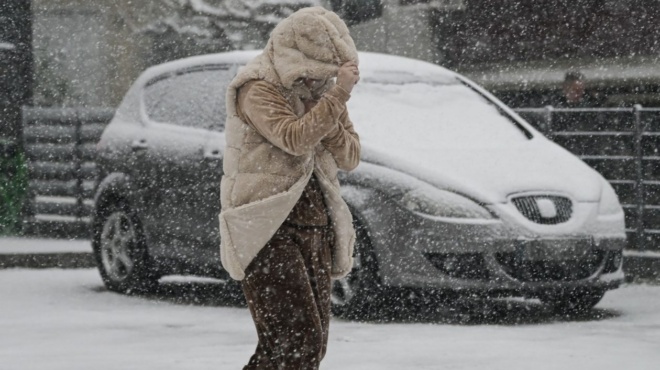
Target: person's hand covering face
pixel 348 75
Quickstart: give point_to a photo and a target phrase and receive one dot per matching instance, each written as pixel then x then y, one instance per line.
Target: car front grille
pixel 528 206
pixel 544 271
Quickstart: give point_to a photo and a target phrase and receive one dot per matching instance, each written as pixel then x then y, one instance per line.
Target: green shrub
pixel 13 187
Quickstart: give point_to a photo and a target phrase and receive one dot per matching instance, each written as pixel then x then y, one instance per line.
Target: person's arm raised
pixel 272 116
pixel 344 144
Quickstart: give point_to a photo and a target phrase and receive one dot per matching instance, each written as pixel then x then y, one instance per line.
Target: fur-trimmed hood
pixel 310 43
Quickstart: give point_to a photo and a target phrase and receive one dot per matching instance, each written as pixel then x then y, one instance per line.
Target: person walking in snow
pixel 285 230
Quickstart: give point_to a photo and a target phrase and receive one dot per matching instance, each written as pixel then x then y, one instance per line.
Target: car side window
pixel 194 97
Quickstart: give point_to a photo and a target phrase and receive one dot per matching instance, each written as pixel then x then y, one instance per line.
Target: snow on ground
pixel 34 245
pixel 65 319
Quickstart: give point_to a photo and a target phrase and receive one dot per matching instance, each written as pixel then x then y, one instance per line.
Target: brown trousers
pixel 287 287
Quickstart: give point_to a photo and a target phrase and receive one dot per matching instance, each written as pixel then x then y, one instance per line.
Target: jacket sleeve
pixel 344 143
pixel 272 116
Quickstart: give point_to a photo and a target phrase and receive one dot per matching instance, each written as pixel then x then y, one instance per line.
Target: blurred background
pixel 75 52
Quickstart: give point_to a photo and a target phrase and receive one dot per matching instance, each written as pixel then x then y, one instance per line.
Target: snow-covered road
pixel 65 319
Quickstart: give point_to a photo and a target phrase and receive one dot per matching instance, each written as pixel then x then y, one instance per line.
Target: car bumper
pixel 522 266
pixel 491 256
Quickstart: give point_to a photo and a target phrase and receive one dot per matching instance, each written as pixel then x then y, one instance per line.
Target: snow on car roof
pixel 371 65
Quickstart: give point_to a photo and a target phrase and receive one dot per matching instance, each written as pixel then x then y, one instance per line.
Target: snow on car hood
pixel 443 132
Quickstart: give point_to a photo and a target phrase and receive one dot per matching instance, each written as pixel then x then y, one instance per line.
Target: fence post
pixel 639 174
pixel 29 224
pixel 78 167
pixel 549 109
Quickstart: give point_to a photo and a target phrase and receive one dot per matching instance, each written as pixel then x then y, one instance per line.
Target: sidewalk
pixel 45 253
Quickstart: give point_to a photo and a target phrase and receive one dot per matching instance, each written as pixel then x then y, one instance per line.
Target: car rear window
pixel 193 97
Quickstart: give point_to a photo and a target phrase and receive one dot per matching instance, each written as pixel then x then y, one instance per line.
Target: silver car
pixel 455 192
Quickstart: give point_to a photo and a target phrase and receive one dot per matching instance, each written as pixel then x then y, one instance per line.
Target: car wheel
pixel 574 301
pixel 360 294
pixel 120 251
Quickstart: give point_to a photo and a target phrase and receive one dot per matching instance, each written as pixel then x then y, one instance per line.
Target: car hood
pixel 448 134
pixel 491 175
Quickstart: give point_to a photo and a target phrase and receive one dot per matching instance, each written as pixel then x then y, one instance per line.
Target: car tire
pixel 360 294
pixel 573 302
pixel 120 251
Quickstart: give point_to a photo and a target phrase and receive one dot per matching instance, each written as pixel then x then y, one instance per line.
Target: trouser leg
pixel 319 266
pixel 287 287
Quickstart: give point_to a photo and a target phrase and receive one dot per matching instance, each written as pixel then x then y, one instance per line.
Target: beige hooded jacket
pixel 264 178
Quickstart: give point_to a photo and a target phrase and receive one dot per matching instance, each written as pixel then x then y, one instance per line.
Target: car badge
pixel 546 207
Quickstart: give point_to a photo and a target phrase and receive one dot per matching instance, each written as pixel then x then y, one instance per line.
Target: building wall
pixel 88 53
pixel 84 53
pixel 402 30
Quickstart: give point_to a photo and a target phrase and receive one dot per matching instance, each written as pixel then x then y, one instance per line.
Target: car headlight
pixel 609 201
pixel 441 203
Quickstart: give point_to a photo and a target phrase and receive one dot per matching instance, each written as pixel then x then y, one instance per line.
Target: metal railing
pixel 622 144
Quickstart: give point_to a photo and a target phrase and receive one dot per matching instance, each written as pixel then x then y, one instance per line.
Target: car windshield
pixel 426 113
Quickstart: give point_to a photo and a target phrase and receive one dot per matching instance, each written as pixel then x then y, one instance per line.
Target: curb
pixel 48 260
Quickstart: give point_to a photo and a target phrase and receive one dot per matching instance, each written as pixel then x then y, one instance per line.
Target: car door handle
pixel 139 145
pixel 214 154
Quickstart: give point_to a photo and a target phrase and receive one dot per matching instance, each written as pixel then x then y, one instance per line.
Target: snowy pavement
pixel 65 319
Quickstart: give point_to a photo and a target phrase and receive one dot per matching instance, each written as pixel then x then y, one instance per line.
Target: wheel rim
pixel 117 241
pixel 344 289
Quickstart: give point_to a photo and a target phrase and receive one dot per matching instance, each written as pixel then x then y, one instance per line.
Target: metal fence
pixel 60 147
pixel 622 144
